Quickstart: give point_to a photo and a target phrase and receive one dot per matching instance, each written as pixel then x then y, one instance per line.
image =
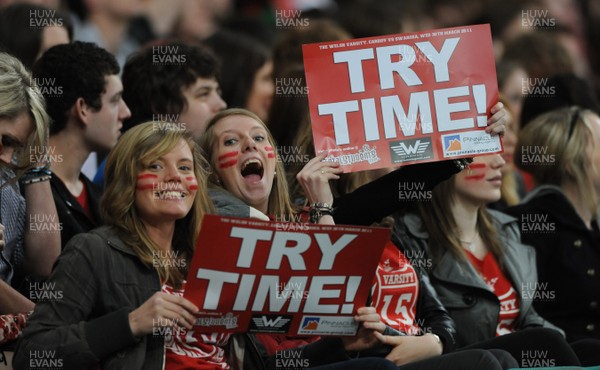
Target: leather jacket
pixel 466 296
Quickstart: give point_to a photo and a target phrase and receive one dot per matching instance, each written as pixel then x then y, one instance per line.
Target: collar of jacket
pixel 515 254
pixel 552 200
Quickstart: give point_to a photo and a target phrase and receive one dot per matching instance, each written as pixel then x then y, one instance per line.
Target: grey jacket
pixel 96 282
pixel 470 302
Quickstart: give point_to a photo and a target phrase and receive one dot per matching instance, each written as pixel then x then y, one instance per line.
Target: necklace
pixel 470 245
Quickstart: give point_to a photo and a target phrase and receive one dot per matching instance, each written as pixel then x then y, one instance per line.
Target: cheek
pixel 228 159
pixel 192 183
pixel 146 181
pixel 270 151
pixel 477 172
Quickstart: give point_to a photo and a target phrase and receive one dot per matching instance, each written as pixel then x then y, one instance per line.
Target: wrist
pixel 438 342
pixel 318 210
pixel 36 174
pixel 133 325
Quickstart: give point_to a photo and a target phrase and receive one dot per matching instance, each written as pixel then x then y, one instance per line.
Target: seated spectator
pixel 107 23
pixel 560 217
pixel 27 31
pixel 87 115
pixel 480 269
pixel 170 93
pixel 30 237
pixel 246 70
pixel 101 320
pixel 252 173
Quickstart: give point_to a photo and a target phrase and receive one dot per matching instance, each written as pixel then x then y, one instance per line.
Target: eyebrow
pixel 117 95
pixel 17 142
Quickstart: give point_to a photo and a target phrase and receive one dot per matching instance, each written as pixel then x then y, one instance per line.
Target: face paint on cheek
pixel 228 159
pixel 478 172
pixel 270 152
pixel 192 183
pixel 146 181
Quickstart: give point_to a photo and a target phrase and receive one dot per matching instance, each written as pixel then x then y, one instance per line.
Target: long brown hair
pixel 439 222
pixel 279 199
pixel 126 160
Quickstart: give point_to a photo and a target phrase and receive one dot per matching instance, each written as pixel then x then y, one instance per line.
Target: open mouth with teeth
pixel 169 194
pixel 252 170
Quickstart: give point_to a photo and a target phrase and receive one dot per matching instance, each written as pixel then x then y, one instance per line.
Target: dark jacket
pixel 430 309
pixel 466 296
pixel 95 283
pixel 71 215
pixel 568 261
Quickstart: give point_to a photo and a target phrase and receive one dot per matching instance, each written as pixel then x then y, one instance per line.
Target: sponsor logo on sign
pixel 328 325
pixel 470 143
pixel 411 150
pixel 270 323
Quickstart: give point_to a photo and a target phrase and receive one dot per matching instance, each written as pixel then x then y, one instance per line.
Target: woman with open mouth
pixel 242 153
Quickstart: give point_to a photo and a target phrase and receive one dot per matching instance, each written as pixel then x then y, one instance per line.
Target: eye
pixel 202 94
pixel 259 138
pixel 9 142
pixel 185 168
pixel 154 166
pixel 229 142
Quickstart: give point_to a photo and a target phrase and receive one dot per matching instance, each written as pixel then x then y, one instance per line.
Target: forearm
pixel 42 240
pixel 380 198
pixel 11 301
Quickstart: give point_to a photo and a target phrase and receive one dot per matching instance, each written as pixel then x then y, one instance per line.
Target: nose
pixel 172 174
pixel 124 111
pixel 218 104
pixel 6 154
pixel 249 143
pixel 497 161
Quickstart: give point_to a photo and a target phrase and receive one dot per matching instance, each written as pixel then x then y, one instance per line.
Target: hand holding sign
pixel 370 322
pixel 314 179
pixel 162 310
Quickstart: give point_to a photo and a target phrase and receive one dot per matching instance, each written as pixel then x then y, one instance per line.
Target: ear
pixel 81 111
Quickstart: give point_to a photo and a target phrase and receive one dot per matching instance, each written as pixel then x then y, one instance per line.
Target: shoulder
pixel 93 243
pixel 227 204
pixel 501 218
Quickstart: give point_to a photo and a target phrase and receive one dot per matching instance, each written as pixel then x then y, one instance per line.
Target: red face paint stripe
pixel 147 176
pixel 271 155
pixel 227 155
pixel 269 148
pixel 477 166
pixel 475 177
pixel 193 187
pixel 191 178
pixel 230 163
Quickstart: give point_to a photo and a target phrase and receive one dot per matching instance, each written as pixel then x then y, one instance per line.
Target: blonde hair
pixel 571 160
pixel 279 199
pixel 19 94
pixel 138 146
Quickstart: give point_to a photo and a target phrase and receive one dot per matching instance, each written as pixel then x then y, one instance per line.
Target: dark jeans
pixel 588 351
pixel 464 360
pixel 539 347
pixel 368 363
